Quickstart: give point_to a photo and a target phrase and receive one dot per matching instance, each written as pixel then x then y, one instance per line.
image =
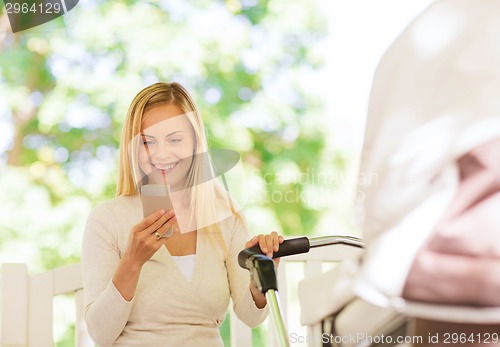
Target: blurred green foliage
pixel 65 87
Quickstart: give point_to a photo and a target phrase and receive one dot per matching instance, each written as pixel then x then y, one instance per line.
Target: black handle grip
pixel 288 247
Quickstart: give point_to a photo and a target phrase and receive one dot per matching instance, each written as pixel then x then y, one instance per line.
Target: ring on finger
pixel 158 236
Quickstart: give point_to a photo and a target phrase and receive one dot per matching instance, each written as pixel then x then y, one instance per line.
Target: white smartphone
pixel 155 197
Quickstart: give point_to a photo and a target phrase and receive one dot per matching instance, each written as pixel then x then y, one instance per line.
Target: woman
pixel 143 287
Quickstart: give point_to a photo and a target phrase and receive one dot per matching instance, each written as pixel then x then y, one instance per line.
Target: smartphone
pixel 155 197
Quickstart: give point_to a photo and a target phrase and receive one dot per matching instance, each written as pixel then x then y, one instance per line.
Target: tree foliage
pixel 65 87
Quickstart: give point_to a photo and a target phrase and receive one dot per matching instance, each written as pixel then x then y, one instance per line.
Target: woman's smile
pixel 165 168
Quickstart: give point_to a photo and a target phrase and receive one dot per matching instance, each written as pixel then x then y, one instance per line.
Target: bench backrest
pixel 27 310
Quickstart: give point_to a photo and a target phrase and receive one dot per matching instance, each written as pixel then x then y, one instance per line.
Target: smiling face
pixel 168 145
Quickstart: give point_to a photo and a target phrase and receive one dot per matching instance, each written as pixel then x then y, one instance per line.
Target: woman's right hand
pixel 143 239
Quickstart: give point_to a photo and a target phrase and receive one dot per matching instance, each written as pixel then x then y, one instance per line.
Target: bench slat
pixel 14 310
pixel 41 309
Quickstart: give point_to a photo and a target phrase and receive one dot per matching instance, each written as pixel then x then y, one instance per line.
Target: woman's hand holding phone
pixel 145 238
pixel 143 241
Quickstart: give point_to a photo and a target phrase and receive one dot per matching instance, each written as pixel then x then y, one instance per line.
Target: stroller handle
pixel 263 272
pixel 297 246
pixel 288 247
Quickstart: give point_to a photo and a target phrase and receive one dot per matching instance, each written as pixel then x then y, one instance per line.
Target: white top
pixel 167 309
pixel 186 264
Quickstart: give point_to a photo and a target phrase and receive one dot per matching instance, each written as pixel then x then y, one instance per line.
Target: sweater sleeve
pixel 106 311
pixel 239 279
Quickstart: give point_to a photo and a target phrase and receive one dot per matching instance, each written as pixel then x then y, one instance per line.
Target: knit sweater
pixel 167 309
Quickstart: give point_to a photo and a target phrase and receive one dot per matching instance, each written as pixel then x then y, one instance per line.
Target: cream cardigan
pixel 167 309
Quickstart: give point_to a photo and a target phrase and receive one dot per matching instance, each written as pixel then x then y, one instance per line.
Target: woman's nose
pixel 162 151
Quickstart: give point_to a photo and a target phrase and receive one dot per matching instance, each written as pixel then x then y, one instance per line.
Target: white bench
pixel 27 312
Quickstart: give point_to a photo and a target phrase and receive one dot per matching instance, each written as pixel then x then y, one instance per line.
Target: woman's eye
pixel 147 143
pixel 175 141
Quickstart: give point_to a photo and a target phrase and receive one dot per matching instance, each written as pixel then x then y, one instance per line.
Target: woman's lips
pixel 165 168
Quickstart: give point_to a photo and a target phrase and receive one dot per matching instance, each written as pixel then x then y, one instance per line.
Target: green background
pixel 254 68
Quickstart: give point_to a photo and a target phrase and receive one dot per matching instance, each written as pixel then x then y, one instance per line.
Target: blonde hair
pixel 206 199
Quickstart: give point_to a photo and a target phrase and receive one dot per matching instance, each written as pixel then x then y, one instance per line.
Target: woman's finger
pixel 263 244
pixel 266 245
pixel 160 221
pixel 275 241
pixel 272 243
pixel 149 220
pixel 252 242
pixel 169 228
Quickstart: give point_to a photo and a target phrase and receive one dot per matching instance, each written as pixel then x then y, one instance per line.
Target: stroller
pixel 374 326
pixel 264 277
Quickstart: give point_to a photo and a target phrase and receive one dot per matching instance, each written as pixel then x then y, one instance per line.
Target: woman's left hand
pixel 269 244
